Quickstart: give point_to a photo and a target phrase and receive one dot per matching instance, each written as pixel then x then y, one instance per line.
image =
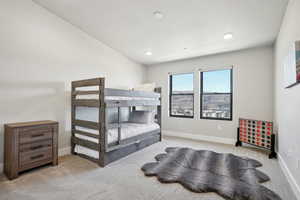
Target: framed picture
pixel 298 60
pixel 292 66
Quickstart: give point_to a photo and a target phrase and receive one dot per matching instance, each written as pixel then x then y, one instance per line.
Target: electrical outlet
pixel 219 127
pixel 290 153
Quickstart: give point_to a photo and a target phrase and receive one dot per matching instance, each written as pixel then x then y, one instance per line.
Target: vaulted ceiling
pixel 187 28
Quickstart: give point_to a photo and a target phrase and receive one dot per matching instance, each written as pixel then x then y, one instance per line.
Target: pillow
pixel 148 87
pixel 141 117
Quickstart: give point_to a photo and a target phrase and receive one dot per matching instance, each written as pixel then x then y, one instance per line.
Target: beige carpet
pixel 77 178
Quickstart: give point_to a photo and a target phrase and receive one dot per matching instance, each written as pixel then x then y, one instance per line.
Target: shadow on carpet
pixel 230 176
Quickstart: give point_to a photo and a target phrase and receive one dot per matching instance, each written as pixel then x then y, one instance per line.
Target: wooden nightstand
pixel 28 145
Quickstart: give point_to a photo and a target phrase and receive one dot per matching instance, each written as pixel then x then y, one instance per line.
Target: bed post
pixel 102 123
pixel 158 90
pixel 73 116
pixel 119 125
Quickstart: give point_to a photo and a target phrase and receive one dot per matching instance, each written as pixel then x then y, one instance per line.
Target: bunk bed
pixel 99 131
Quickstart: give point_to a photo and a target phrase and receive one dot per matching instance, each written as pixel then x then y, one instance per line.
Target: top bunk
pixel 92 93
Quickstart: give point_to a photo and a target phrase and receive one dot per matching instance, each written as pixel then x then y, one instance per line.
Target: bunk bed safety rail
pixel 131 103
pixel 131 93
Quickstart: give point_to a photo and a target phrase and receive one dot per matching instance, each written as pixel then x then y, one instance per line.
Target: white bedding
pixel 128 130
pixel 86 151
pixel 96 96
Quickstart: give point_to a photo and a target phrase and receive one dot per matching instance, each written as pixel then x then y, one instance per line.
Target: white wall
pixel 287 104
pixel 253 90
pixel 40 55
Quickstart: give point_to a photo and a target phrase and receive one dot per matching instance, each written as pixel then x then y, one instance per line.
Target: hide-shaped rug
pixel 230 176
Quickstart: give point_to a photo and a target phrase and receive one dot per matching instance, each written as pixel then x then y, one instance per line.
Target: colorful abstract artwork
pixel 298 60
pixel 292 66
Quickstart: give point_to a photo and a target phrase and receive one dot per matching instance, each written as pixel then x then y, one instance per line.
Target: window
pixel 182 95
pixel 216 95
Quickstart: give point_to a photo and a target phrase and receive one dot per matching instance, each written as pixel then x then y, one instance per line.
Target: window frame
pixel 170 96
pixel 202 94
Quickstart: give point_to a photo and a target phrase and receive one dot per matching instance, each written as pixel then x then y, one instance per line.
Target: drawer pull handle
pixel 36 147
pixel 37 135
pixel 36 157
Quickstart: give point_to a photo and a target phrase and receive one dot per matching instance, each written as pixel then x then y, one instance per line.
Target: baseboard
pixel 295 187
pixel 64 151
pixel 198 137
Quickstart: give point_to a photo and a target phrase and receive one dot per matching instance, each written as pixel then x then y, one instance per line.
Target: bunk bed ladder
pixel 100 126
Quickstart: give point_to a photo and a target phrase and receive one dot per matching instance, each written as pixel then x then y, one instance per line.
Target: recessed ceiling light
pixel 228 36
pixel 158 15
pixel 148 53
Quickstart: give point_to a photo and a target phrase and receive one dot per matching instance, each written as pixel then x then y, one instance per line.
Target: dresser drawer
pixel 28 145
pixel 35 156
pixel 36 146
pixel 35 134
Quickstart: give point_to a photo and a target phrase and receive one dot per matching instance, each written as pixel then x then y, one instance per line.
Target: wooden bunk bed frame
pixel 111 152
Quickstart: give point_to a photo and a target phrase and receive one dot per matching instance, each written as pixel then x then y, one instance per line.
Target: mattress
pixel 128 130
pixel 86 151
pixel 96 96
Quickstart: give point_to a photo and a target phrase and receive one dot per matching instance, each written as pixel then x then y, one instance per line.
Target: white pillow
pixel 148 87
pixel 141 117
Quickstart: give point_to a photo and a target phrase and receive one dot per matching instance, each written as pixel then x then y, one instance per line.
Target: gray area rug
pixel 230 176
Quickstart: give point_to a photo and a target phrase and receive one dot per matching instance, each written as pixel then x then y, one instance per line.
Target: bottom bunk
pixel 134 136
pixel 118 153
pixel 128 130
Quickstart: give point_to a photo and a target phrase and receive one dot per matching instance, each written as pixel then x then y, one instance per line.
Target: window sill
pixel 179 116
pixel 216 119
